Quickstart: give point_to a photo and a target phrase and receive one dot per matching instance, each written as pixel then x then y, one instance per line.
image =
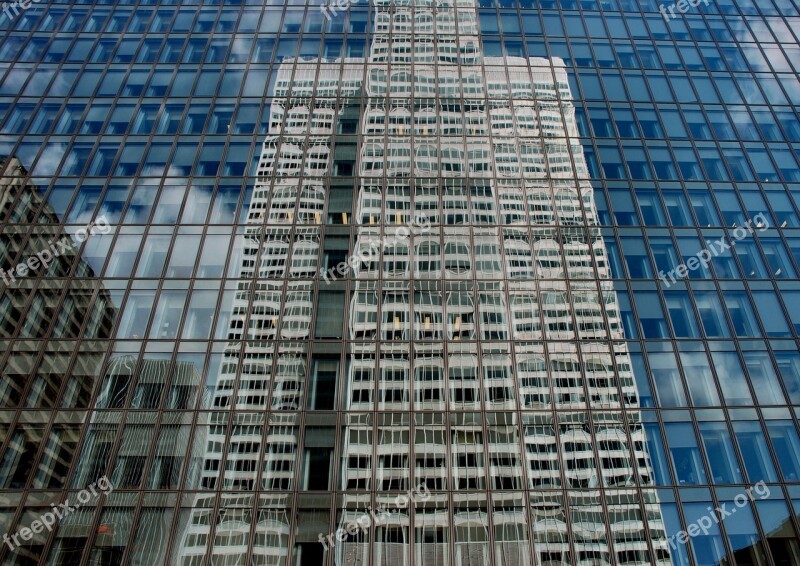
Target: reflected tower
pixel 485 376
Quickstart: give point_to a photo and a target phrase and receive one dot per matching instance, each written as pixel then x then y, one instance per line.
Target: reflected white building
pixel 486 355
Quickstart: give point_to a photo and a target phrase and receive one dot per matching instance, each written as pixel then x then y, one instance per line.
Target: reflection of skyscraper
pixel 137 386
pixel 19 200
pixel 62 301
pixel 404 285
pixel 485 351
pixel 85 310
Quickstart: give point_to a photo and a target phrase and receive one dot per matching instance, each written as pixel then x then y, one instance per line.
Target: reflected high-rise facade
pixel 484 369
pixel 262 385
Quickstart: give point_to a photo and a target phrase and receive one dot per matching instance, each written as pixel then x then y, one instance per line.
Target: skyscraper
pixel 422 282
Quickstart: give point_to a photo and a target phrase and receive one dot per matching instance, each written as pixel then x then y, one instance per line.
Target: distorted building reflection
pixel 499 306
pixel 60 313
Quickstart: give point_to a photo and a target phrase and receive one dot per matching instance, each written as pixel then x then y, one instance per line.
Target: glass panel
pixel 786 444
pixel 720 453
pixel 686 461
pixel 755 453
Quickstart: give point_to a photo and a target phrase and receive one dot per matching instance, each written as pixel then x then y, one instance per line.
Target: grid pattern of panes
pixel 169 353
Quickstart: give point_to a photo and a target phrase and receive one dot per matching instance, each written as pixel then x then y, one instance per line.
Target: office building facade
pixel 419 282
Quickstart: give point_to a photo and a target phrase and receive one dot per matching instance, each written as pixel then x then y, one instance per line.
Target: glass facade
pixel 421 282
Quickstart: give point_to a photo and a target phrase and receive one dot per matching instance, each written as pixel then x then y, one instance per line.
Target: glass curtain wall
pixel 420 282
